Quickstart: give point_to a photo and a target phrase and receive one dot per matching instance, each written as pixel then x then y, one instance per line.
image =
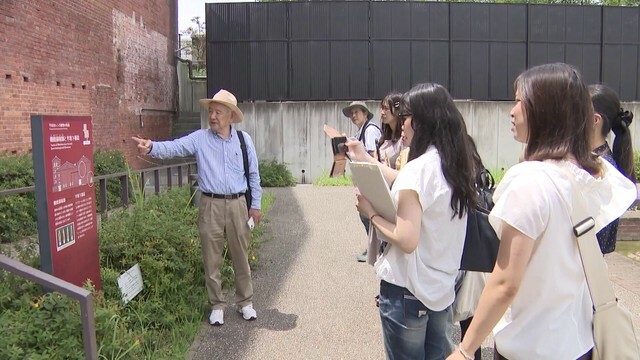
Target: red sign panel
pixel 70 198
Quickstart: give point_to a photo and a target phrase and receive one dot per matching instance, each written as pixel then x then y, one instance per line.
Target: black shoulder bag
pixel 481 242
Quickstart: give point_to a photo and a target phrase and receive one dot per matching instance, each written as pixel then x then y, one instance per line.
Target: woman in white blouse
pixel 537 300
pixel 433 193
pixel 390 146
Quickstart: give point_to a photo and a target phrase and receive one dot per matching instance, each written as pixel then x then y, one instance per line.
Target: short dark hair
pixel 557 107
pixel 437 122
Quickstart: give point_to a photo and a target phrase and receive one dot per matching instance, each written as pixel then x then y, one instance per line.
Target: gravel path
pixel 314 301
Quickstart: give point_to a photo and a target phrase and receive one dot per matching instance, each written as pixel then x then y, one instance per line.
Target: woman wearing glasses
pixel 433 193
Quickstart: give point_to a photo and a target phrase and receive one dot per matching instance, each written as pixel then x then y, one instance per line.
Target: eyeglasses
pixel 405 115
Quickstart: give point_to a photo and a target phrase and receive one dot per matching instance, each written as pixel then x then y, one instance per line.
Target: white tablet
pixel 368 178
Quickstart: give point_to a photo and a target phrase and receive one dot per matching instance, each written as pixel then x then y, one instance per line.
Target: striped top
pixel 220 165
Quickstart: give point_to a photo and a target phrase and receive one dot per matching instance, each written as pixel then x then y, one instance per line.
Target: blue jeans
pixel 410 329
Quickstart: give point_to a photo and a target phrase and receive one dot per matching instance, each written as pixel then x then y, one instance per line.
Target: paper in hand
pixel 331 132
pixel 339 157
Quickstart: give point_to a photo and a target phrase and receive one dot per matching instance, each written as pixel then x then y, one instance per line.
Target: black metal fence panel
pixel 334 50
pixel 570 34
pixel 621 50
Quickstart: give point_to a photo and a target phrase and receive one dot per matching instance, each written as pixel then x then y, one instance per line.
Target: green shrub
pixel 159 233
pixel 636 165
pixel 105 163
pixel 275 174
pixel 326 180
pixel 17 212
pixel 16 171
pixel 498 174
pixel 49 326
pixel 30 338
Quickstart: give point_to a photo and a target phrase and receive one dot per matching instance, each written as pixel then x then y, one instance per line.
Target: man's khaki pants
pixel 216 216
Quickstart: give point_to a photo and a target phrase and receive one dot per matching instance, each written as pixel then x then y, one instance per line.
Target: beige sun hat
pixel 347 111
pixel 227 99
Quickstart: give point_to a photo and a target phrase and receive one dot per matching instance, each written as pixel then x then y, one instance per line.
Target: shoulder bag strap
pixel 362 136
pixel 595 269
pixel 364 129
pixel 245 161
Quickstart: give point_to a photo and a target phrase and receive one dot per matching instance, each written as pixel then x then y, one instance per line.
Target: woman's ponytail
pixel 622 147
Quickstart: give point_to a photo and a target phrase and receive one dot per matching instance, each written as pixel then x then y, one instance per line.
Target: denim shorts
pixel 410 329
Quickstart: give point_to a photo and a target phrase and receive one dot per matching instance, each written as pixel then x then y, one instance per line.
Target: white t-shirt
pixel 551 315
pixel 371 135
pixel 429 272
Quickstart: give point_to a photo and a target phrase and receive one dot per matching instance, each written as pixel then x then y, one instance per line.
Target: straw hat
pixel 360 104
pixel 227 99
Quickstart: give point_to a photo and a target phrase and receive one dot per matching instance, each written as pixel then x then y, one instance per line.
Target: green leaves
pixel 275 174
pixel 160 323
pixel 48 328
pixel 18 212
pixel 636 165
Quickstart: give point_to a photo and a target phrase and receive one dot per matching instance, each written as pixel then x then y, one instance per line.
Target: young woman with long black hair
pixel 433 193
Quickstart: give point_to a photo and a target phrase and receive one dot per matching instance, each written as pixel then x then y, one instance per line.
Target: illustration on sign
pixel 70 175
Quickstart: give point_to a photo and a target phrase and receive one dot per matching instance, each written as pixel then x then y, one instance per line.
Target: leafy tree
pixel 198 43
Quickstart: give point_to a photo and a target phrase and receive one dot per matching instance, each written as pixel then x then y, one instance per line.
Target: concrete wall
pixel 291 132
pixel 189 90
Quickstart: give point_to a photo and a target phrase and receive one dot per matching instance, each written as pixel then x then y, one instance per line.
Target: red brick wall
pixel 112 60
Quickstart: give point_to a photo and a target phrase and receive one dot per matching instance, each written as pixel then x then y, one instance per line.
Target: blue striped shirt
pixel 220 165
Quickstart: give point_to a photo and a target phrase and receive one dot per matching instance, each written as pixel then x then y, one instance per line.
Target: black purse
pixel 481 242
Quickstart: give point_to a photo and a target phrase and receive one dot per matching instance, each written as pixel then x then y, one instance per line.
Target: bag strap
pixel 364 130
pixel 485 180
pixel 595 269
pixel 245 160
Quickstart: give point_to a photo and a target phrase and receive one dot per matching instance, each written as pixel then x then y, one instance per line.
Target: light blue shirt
pixel 220 165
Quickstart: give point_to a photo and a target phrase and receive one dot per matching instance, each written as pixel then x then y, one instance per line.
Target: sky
pixel 187 9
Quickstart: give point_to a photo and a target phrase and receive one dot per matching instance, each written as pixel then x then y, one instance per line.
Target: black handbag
pixel 481 242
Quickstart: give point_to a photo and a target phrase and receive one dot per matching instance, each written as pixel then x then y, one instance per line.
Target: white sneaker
pixel 248 313
pixel 216 318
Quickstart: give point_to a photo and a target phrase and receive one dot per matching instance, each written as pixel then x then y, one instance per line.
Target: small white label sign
pixel 130 283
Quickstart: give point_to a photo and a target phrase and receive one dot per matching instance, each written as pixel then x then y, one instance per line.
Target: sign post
pixel 65 197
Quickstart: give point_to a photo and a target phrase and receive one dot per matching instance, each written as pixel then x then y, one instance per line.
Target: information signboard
pixel 65 197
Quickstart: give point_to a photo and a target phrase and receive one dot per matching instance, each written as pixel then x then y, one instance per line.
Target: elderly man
pixel 223 206
pixel 368 134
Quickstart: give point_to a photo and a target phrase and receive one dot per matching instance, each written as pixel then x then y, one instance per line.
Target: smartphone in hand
pixel 338 145
pixel 251 223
